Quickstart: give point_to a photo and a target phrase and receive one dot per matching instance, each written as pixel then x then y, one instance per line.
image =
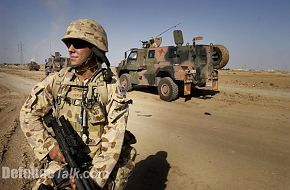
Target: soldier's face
pixel 79 51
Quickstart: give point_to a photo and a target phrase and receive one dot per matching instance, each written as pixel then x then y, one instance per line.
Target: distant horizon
pixel 225 68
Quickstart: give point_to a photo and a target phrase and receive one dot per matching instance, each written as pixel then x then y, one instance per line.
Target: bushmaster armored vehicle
pixel 173 70
pixel 55 63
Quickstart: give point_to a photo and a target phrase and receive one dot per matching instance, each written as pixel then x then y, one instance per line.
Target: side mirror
pixel 125 54
pixel 178 37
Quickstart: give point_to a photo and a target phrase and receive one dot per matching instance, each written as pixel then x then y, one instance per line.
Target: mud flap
pixel 214 80
pixel 214 84
pixel 187 89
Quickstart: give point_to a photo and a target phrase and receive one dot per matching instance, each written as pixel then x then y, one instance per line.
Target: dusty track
pixel 235 139
pixel 14 151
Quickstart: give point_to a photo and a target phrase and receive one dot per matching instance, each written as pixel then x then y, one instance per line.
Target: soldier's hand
pixel 56 155
pixel 72 183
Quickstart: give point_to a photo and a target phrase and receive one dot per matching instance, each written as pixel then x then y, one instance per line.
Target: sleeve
pixel 113 136
pixel 35 107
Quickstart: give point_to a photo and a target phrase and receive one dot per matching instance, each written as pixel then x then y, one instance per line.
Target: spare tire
pixel 220 56
pixel 125 80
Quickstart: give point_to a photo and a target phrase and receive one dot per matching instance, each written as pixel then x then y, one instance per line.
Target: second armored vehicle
pixel 55 63
pixel 173 70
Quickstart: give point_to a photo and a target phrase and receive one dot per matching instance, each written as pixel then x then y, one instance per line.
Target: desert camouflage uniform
pixel 106 120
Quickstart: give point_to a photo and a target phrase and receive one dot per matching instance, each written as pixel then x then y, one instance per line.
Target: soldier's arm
pixel 113 136
pixel 35 107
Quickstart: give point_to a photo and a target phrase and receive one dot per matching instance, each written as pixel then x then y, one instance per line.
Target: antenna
pixel 168 29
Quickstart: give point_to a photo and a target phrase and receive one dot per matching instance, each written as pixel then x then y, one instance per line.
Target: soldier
pixel 93 102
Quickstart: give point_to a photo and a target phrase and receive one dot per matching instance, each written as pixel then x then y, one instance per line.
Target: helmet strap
pixel 88 64
pixel 103 59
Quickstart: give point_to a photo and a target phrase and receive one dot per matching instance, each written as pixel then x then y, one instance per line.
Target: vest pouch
pixel 96 123
pixel 94 143
pixel 96 115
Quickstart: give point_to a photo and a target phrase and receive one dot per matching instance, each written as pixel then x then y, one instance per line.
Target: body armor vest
pixel 83 104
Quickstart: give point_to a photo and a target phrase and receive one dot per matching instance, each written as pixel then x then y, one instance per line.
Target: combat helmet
pixel 92 32
pixel 89 31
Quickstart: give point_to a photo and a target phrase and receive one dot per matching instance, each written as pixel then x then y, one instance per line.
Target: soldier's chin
pixel 75 64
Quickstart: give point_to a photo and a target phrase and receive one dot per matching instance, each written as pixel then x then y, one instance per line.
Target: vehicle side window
pixel 133 55
pixel 151 54
pixel 172 52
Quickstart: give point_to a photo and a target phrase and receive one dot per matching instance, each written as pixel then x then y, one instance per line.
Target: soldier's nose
pixel 71 48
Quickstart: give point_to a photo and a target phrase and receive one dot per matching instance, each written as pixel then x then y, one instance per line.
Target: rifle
pixel 75 152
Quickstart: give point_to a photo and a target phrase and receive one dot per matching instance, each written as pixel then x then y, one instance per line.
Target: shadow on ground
pixel 201 94
pixel 197 93
pixel 146 89
pixel 150 173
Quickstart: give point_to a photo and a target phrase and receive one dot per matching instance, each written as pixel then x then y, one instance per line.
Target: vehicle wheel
pixel 167 89
pixel 125 80
pixel 220 56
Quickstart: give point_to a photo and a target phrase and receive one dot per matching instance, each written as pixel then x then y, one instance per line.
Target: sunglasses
pixel 77 44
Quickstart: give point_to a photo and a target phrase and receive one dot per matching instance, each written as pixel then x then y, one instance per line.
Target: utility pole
pixel 20 50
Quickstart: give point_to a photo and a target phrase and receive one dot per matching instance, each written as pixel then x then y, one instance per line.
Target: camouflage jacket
pixel 107 120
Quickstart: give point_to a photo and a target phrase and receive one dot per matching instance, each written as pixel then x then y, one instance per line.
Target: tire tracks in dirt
pixel 7 138
pixel 15 152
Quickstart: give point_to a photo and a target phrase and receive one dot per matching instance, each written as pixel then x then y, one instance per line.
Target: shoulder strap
pixel 58 79
pixel 101 86
pixel 56 87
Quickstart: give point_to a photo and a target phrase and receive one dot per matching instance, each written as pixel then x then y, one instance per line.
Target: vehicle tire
pixel 220 56
pixel 167 89
pixel 125 80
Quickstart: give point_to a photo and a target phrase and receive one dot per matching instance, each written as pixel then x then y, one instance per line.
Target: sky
pixel 256 32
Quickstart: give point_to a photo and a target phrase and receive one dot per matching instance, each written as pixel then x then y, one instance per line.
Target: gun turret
pixel 152 43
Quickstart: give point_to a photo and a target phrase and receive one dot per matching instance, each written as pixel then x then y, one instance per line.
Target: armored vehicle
pixel 174 70
pixel 55 63
pixel 33 66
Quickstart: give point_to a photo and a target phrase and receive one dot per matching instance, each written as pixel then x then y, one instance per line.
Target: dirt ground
pixel 236 139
